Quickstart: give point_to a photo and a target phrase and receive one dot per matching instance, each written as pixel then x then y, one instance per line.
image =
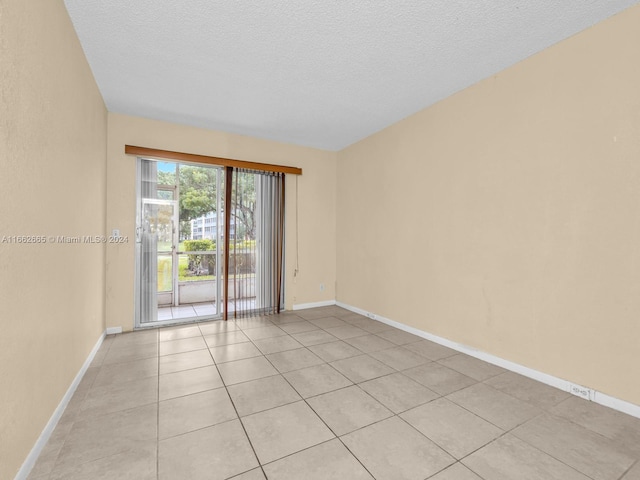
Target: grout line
pixel 629 469
pixel 542 411
pixel 246 434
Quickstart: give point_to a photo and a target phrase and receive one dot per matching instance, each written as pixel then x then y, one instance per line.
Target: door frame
pixel 175 252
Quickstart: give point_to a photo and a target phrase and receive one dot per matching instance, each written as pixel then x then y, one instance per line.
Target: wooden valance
pixel 219 161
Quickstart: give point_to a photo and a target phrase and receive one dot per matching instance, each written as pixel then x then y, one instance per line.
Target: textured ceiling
pixel 320 73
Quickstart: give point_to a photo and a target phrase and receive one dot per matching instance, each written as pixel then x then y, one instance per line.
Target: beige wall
pixel 316 202
pixel 52 182
pixel 507 217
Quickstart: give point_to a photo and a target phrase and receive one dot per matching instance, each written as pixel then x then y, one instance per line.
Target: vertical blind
pixel 255 232
pixel 252 216
pixel 149 244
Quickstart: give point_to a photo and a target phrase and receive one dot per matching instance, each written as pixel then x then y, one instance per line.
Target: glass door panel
pixel 157 247
pixel 178 242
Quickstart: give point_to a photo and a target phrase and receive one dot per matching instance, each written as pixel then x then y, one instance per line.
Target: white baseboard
pixel 113 330
pixel 303 306
pixel 31 459
pixel 565 385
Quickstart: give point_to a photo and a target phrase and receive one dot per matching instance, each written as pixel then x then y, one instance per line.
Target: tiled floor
pixel 187 311
pixel 323 394
pixel 195 310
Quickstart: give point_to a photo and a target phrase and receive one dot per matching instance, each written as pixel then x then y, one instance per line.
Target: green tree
pixel 244 205
pixel 198 197
pixel 197 191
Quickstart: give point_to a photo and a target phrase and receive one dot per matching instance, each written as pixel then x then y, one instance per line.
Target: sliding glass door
pixel 189 267
pixel 178 242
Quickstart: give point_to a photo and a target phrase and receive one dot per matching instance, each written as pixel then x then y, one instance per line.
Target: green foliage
pixel 198 245
pixel 245 244
pixel 199 264
pixel 244 204
pixel 164 274
pixel 197 191
pixel 185 275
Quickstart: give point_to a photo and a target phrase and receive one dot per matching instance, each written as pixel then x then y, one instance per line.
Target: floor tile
pixel 285 430
pixel 277 344
pixel 399 358
pixel 293 360
pixel 440 379
pixel 315 337
pixel 137 463
pixel 395 422
pixel 457 471
pixel 328 322
pixel 504 411
pixel 255 474
pixel 633 473
pixel 536 393
pixel 212 453
pixel 130 353
pixel 333 310
pixel 348 409
pixel 284 318
pixel 185 361
pixel 100 355
pixel 369 343
pixel 375 327
pixel 49 454
pixel 332 351
pixel 246 370
pixel 349 316
pixel 316 380
pixel 187 382
pixel 253 322
pixel 431 350
pixel 129 339
pixel 510 458
pixel 203 310
pixel 236 351
pixel 226 338
pixel 361 368
pixel 347 331
pixel 397 392
pixel 263 332
pixel 179 313
pixel 262 394
pixel 217 326
pixel 183 345
pixel 451 427
pixel 104 435
pixel 315 313
pixel 624 429
pixel 182 311
pixel 298 327
pixel 399 337
pixel 471 367
pixel 91 374
pixel 193 412
pixel 177 333
pixel 327 461
pixel 393 450
pixel 582 449
pixel 125 372
pixel 120 396
pixel 359 321
pixel 73 411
